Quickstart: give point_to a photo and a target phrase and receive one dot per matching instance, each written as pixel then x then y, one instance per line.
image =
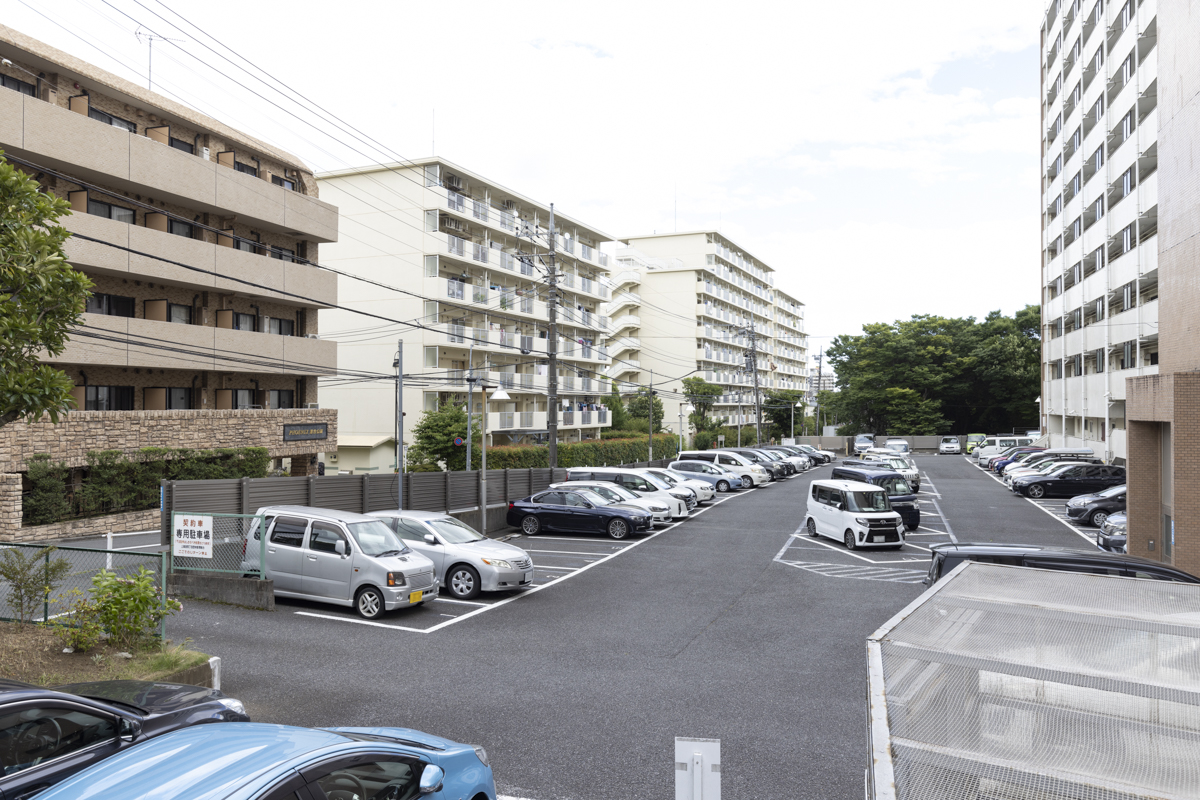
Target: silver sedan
pixel 465 561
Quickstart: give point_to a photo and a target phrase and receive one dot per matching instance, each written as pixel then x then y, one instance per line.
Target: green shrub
pixel 47 500
pixel 593 452
pixel 78 627
pixel 130 609
pixel 31 577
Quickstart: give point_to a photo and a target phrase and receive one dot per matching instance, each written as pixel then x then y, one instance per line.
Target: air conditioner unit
pixel 311 336
pixel 454 224
pixel 454 182
pixel 204 153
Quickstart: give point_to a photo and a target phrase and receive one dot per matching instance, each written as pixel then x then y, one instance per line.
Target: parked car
pixel 949 445
pixel 1080 454
pixel 901 495
pixel 1095 508
pixel 898 445
pixel 660 512
pixel 856 514
pixel 801 459
pixel 1020 457
pixel 721 477
pixel 752 474
pixel 998 444
pixel 680 500
pixel 779 458
pixel 257 761
pixel 824 456
pixel 898 462
pixel 864 442
pixel 995 462
pixel 1070 481
pixel 1112 535
pixel 465 561
pixel 341 558
pixel 775 469
pixel 1044 467
pixel 945 557
pixel 973 441
pixel 703 489
pixel 572 512
pixel 48 735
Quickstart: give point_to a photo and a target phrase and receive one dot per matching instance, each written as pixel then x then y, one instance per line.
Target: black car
pixel 1094 509
pixel 47 735
pixel 947 556
pixel 900 494
pixel 573 512
pixel 1112 536
pixel 773 468
pixel 1070 481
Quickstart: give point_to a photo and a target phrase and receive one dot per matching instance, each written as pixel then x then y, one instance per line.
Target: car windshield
pixel 864 437
pixel 614 494
pixel 594 497
pixel 655 481
pixel 895 486
pixel 868 501
pixel 665 476
pixel 975 437
pixel 896 463
pixel 678 476
pixel 375 538
pixel 453 531
pixel 1115 491
pixel 949 440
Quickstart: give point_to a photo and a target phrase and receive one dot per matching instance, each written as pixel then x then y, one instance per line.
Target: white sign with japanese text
pixel 193 536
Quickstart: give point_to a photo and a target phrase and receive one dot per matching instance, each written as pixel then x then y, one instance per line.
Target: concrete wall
pixel 248 592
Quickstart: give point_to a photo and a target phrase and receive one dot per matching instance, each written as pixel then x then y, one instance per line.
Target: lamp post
pixel 800 406
pixel 398 363
pixel 682 407
pixel 500 395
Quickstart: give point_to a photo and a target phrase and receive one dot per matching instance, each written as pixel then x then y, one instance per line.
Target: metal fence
pixel 84 564
pixel 1029 684
pixel 220 543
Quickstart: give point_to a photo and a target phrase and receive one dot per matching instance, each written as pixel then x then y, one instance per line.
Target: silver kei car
pixel 464 560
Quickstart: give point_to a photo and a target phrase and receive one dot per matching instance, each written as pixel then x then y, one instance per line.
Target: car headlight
pixel 481 754
pixel 658 509
pixel 866 523
pixel 679 495
pixel 233 704
pixel 497 562
pixel 395 579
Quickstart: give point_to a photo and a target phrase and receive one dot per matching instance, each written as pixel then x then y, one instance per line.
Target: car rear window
pixel 289 531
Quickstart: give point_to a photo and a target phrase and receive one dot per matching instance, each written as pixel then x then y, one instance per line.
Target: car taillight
pixel 510 505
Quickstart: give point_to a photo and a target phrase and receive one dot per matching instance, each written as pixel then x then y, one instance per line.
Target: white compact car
pixel 949 445
pixel 660 514
pixel 854 513
pixel 704 490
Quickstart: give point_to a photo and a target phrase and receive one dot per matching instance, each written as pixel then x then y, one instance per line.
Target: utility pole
pixel 739 417
pixel 400 425
pixel 470 389
pixel 552 349
pixel 754 372
pixel 650 427
pixel 817 396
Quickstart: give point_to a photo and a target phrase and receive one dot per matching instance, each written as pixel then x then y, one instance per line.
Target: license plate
pixel 529 575
pixel 878 538
pixel 415 597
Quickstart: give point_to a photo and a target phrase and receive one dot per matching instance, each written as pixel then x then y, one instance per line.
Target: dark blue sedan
pixel 576 512
pixel 254 761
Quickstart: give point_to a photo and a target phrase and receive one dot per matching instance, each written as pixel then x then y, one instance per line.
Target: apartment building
pixel 824 380
pixel 1100 271
pixel 203 328
pixel 469 255
pixel 702 300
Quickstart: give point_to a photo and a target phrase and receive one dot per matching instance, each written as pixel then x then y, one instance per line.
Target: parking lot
pixel 1055 507
pixel 727 625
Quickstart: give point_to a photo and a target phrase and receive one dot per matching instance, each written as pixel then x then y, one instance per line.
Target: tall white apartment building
pixel 451 240
pixel 1100 216
pixel 685 304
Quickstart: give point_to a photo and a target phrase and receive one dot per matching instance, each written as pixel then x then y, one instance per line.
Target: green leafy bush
pixel 593 452
pixel 78 627
pixel 31 576
pixel 130 609
pixel 47 500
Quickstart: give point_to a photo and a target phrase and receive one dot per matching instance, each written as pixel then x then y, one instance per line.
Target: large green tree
pixel 640 405
pixel 433 438
pixel 702 396
pixel 42 298
pixel 779 410
pixel 930 375
pixel 616 410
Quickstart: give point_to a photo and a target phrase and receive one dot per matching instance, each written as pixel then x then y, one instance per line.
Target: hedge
pixel 590 453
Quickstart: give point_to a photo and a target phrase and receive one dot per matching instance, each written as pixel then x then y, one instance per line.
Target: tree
pixel 616 410
pixel 42 298
pixel 778 409
pixel 434 435
pixel 639 407
pixel 703 396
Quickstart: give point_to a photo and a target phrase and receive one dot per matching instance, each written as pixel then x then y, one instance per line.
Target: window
pixel 108 398
pixel 243 398
pixel 576 500
pixel 289 531
pixel 110 305
pixel 30 736
pixel 245 245
pixel 179 399
pixel 283 254
pixel 284 182
pixel 178 228
pixel 101 209
pixel 244 322
pixel 109 119
pixel 550 499
pixel 180 144
pixel 374 779
pixel 282 327
pixel 325 536
pixel 281 398
pixel 246 168
pixel 431 357
pixel 869 501
pixel 17 85
pixel 178 313
pixel 431 266
pixel 409 530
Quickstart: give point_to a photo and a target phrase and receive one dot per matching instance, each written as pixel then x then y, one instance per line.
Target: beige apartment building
pixel 688 304
pixel 455 246
pixel 202 331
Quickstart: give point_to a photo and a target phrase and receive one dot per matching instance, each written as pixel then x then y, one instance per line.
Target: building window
pixel 17 85
pixel 431 357
pixel 281 398
pixel 109 119
pixel 284 182
pixel 180 144
pixel 108 398
pixel 243 398
pixel 283 254
pixel 244 322
pixel 101 209
pixel 178 313
pixel 282 327
pixel 110 305
pixel 179 399
pixel 180 228
pixel 245 245
pixel 246 168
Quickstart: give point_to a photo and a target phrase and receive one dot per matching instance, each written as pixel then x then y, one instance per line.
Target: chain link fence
pixel 217 543
pixel 37 580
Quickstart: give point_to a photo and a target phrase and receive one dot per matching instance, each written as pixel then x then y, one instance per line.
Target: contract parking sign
pixel 193 536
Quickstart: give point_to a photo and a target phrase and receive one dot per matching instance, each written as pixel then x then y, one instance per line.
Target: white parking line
pixel 541 538
pixel 1037 505
pixel 566 552
pixel 458 602
pixel 836 548
pixel 932 532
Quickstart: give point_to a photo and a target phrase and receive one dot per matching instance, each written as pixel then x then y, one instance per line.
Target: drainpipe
pixel 194 403
pixel 195 300
pixel 257 317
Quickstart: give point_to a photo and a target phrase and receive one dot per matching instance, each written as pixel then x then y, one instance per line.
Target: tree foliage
pixel 779 410
pixel 433 439
pixel 42 298
pixel 639 407
pixel 703 396
pixel 931 375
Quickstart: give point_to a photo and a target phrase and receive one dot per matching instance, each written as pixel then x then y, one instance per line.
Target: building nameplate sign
pixel 306 432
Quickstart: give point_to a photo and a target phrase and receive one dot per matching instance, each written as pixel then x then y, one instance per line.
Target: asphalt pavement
pixel 731 625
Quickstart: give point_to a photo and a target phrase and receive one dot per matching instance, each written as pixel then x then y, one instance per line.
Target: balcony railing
pixel 527 343
pixel 479 294
pixel 585 417
pixel 585 285
pixel 526 305
pixel 506 419
pixel 455 201
pixel 455 245
pixel 568 279
pixel 507 261
pixel 526 380
pixel 587 252
pixel 507 379
pixel 479 210
pixel 526 419
pixel 479 252
pixel 604 259
pixel 568 417
pixel 455 289
pixel 602 416
pixel 455 333
pixel 480 335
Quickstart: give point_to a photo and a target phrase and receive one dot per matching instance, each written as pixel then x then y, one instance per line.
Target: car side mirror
pixel 128 729
pixel 431 779
pixel 429 539
pixel 840 506
pixel 339 547
pixel 588 505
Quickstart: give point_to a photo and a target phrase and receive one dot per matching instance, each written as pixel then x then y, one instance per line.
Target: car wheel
pixel 618 528
pixel 463 582
pixel 1036 491
pixel 1098 518
pixel 530 525
pixel 722 486
pixel 851 542
pixel 911 527
pixel 369 603
pixel 812 527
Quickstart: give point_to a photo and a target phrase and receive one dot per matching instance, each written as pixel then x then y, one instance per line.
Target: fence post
pixel 366 491
pixel 108 547
pixel 446 487
pixel 244 485
pixel 507 494
pixel 46 596
pixel 312 481
pixel 162 630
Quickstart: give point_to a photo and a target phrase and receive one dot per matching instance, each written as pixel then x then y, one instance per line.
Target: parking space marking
pixel 886 574
pixel 1039 506
pixel 837 549
pixel 440 599
pixel 566 552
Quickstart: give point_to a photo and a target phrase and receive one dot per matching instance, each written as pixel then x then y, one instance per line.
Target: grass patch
pixel 32 654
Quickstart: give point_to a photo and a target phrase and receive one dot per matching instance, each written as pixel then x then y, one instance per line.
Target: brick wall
pixel 130 431
pixel 1144 480
pixel 80 528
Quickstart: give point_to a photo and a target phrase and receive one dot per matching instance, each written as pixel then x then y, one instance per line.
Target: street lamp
pixel 500 395
pixel 682 407
pixel 800 406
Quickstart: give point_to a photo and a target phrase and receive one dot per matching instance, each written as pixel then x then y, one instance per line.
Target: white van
pixel 751 474
pixel 994 445
pixel 854 513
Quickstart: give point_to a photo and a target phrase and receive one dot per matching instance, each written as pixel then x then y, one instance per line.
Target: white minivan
pixel 994 445
pixel 854 513
pixel 750 473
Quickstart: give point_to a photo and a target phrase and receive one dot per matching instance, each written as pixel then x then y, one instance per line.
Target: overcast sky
pixel 881 156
